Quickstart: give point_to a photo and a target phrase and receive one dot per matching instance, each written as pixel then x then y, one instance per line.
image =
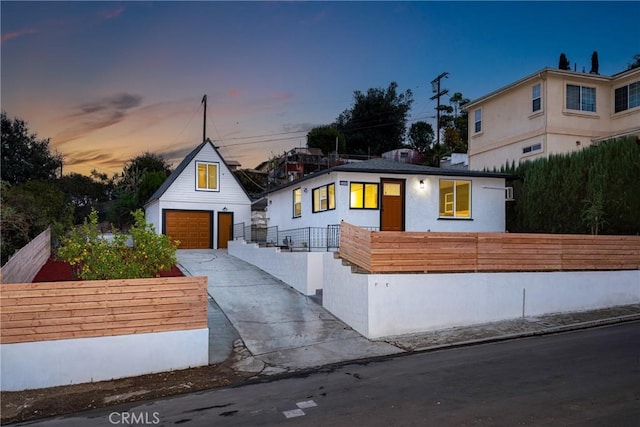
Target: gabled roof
pixel 183 165
pixel 390 167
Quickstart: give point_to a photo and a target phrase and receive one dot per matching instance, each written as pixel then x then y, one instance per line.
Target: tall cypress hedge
pixel 592 191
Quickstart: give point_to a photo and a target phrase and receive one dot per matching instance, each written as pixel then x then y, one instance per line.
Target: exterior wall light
pixel 422 184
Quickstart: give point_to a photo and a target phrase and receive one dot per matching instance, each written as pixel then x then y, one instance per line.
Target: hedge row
pixel 592 191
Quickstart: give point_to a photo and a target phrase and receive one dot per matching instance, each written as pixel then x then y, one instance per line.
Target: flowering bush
pixel 93 257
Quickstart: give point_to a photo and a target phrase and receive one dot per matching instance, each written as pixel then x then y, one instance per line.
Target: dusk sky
pixel 107 81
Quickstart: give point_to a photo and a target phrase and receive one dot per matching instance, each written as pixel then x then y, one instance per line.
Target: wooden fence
pixel 23 266
pixel 96 308
pixel 425 252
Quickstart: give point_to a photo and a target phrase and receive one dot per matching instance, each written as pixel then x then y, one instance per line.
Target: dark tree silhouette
pixel 594 63
pixel 563 63
pixel 24 156
pixel 377 121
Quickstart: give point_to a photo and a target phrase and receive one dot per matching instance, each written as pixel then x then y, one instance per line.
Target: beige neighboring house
pixel 549 112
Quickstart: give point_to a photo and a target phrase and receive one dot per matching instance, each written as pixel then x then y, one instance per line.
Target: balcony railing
pixel 294 239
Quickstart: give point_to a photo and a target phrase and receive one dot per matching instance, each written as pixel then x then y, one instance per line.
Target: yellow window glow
pixel 455 199
pixel 371 196
pixel 357 196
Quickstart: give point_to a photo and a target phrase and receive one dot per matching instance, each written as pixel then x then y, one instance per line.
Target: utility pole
pixel 204 123
pixel 435 88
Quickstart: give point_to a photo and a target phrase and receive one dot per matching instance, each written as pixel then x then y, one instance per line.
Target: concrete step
pixel 317 298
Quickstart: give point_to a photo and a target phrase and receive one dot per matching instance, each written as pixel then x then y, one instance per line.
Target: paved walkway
pixel 281 329
pixel 271 328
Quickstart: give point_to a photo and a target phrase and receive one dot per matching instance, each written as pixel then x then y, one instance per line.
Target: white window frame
pixel 329 199
pixel 207 164
pixel 477 120
pixel 630 95
pixel 532 148
pixel 581 108
pixel 538 98
pixel 297 191
pixel 450 200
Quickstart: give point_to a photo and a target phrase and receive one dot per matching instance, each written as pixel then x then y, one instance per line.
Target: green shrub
pixel 93 257
pixel 594 190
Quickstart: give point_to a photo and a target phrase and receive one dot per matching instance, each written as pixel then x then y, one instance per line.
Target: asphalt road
pixel 584 378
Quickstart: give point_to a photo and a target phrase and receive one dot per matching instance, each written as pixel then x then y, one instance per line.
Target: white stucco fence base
pixel 301 270
pixel 380 305
pixel 71 361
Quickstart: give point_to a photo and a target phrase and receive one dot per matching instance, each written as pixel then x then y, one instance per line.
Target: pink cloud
pixel 234 93
pixel 281 96
pixel 16 34
pixel 112 13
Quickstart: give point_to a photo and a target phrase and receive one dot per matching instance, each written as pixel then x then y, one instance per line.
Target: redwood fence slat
pixel 417 252
pixel 61 310
pixel 25 264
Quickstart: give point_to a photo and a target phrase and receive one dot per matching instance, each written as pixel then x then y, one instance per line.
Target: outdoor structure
pixel 60 333
pixel 551 111
pixel 404 155
pixel 387 283
pixel 200 201
pixel 387 195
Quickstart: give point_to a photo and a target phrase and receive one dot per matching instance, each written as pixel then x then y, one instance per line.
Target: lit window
pixel 363 195
pixel 207 179
pixel 297 202
pixel 627 97
pixel 478 120
pixel 581 98
pixel 324 198
pixel 455 199
pixel 536 98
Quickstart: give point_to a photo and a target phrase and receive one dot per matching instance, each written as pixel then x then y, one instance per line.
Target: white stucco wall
pixel 409 303
pixel 345 294
pixel 301 270
pixel 61 362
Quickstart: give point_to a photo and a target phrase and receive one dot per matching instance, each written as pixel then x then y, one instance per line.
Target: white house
pixel 390 195
pixel 200 201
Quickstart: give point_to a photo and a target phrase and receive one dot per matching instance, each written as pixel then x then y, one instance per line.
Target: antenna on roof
pixel 204 123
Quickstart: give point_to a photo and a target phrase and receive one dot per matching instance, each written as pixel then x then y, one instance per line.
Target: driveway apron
pixel 278 325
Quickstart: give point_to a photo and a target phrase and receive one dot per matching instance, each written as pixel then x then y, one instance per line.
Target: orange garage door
pixel 192 228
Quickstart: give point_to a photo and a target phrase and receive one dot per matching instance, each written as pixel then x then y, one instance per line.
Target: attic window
pixel 207 176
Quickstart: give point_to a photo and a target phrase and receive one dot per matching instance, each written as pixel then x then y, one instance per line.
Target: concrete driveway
pixel 279 326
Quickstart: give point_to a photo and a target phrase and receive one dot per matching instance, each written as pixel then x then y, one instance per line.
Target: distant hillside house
pixel 200 201
pixel 549 112
pixel 404 155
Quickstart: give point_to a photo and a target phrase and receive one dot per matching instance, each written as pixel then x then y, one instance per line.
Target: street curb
pixel 539 332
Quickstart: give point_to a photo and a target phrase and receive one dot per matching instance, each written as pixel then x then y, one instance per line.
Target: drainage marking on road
pixel 294 413
pixel 306 404
pixel 299 412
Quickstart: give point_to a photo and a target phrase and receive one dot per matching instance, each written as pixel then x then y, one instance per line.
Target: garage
pixel 192 228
